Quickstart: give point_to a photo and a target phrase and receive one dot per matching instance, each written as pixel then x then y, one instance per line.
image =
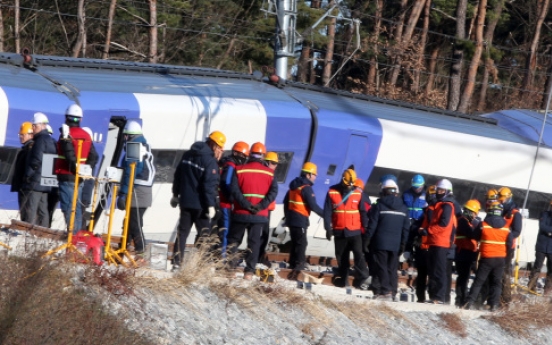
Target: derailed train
pixel 334 129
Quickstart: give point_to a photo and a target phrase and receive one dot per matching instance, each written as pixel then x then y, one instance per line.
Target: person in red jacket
pixel 495 239
pixel 345 219
pixel 253 189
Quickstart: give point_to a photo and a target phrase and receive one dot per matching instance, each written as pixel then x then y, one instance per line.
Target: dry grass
pixel 520 319
pixel 454 324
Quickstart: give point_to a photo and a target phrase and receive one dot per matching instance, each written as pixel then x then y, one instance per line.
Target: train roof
pixel 71 75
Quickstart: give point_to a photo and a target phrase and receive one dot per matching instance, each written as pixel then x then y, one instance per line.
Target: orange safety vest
pixel 493 241
pixel 296 202
pixel 272 206
pixel 345 215
pixel 424 245
pixel 464 242
pixel 441 236
pixel 254 180
pixel 509 224
pixel 76 133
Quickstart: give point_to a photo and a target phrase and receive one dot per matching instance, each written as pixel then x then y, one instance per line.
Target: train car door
pixel 356 152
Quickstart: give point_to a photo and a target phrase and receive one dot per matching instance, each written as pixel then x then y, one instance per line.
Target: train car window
pixel 7 160
pixel 284 162
pixel 331 170
pixel 166 162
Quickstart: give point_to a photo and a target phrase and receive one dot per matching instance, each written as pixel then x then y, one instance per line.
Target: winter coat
pixel 21 161
pixel 196 178
pixel 389 224
pixel 544 238
pixel 43 143
pixel 295 219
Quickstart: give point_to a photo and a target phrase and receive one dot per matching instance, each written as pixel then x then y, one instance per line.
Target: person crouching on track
pixel 240 152
pixel 543 250
pixel 466 249
pixel 298 204
pixel 440 237
pixel 345 218
pixel 253 189
pixel 387 234
pixel 495 239
pixel 195 189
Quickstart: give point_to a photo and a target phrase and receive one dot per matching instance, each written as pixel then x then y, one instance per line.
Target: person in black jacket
pixel 194 189
pixel 298 204
pixel 543 250
pixel 387 235
pixel 21 161
pixel 37 197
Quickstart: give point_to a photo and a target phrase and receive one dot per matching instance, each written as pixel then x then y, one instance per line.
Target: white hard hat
pixel 88 130
pixel 389 184
pixel 49 128
pixel 132 127
pixel 444 184
pixel 74 110
pixel 40 118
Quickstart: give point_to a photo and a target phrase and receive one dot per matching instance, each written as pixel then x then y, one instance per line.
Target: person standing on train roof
pixel 18 183
pixel 240 153
pixel 440 240
pixel 466 249
pixel 66 164
pixel 514 221
pixel 194 189
pixel 253 189
pixel 299 202
pixel 495 239
pixel 141 198
pixel 345 219
pixel 387 234
pixel 37 196
pixel 543 250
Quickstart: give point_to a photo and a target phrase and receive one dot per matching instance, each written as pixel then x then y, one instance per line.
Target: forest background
pixel 464 55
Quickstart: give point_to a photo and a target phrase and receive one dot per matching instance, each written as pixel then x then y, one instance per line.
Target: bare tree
pixel 1 29
pixel 431 70
pixel 423 40
pixel 474 64
pixel 328 59
pixel 16 26
pixel 80 43
pixel 153 31
pixel 455 81
pixel 371 81
pixel 110 16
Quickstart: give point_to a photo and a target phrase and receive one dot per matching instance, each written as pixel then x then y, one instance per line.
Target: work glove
pixel 422 232
pixel 64 131
pixel 329 234
pixel 407 255
pixel 401 249
pixel 253 209
pixel 174 201
pixel 121 202
pixel 211 212
pixel 366 244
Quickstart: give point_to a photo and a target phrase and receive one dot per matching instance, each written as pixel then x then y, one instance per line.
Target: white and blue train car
pixel 178 106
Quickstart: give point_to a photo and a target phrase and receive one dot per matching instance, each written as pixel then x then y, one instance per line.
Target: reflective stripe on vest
pixel 296 202
pixel 346 215
pixel 254 180
pixel 493 241
pixel 441 236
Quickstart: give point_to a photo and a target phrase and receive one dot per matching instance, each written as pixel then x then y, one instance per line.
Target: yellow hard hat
pixel 218 137
pixel 26 128
pixel 349 177
pixel 492 194
pixel 473 205
pixel 309 168
pixel 504 194
pixel 272 157
pixel 432 189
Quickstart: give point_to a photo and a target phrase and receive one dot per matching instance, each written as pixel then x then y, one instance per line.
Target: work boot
pixel 468 306
pixel 365 284
pixel 532 285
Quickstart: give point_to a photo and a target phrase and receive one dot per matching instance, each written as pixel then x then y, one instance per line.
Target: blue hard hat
pixel 418 181
pixel 388 177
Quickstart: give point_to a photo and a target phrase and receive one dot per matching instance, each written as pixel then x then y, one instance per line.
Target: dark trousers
pixel 188 217
pixel 537 267
pixel 421 257
pixel 507 277
pixel 33 207
pixel 223 227
pixel 492 268
pixel 343 248
pixel 448 290
pixel 386 263
pixel 297 257
pixel 438 280
pixel 463 268
pixel 53 199
pixel 257 233
pixel 135 224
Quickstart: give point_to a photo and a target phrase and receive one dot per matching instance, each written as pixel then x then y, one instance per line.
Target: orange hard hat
pixel 26 128
pixel 272 157
pixel 218 137
pixel 241 147
pixel 258 148
pixel 359 183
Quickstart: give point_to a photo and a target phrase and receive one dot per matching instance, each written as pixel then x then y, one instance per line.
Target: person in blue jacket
pixel 543 250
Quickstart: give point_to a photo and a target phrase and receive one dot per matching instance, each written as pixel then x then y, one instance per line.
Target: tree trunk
pixel 110 16
pixel 474 64
pixel 303 64
pixel 455 81
pixel 548 86
pixel 415 87
pixel 489 62
pixel 406 38
pixel 373 69
pixel 1 29
pixel 16 27
pixel 431 71
pixel 80 43
pixel 224 58
pixel 328 59
pixel 153 31
pixel 531 63
pixel 400 21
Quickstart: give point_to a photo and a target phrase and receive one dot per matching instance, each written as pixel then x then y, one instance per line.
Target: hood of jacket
pixel 391 201
pixel 201 148
pixel 298 182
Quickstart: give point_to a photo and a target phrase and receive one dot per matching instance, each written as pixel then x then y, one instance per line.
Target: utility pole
pixel 284 45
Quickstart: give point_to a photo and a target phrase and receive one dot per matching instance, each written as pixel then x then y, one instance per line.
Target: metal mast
pixel 284 45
